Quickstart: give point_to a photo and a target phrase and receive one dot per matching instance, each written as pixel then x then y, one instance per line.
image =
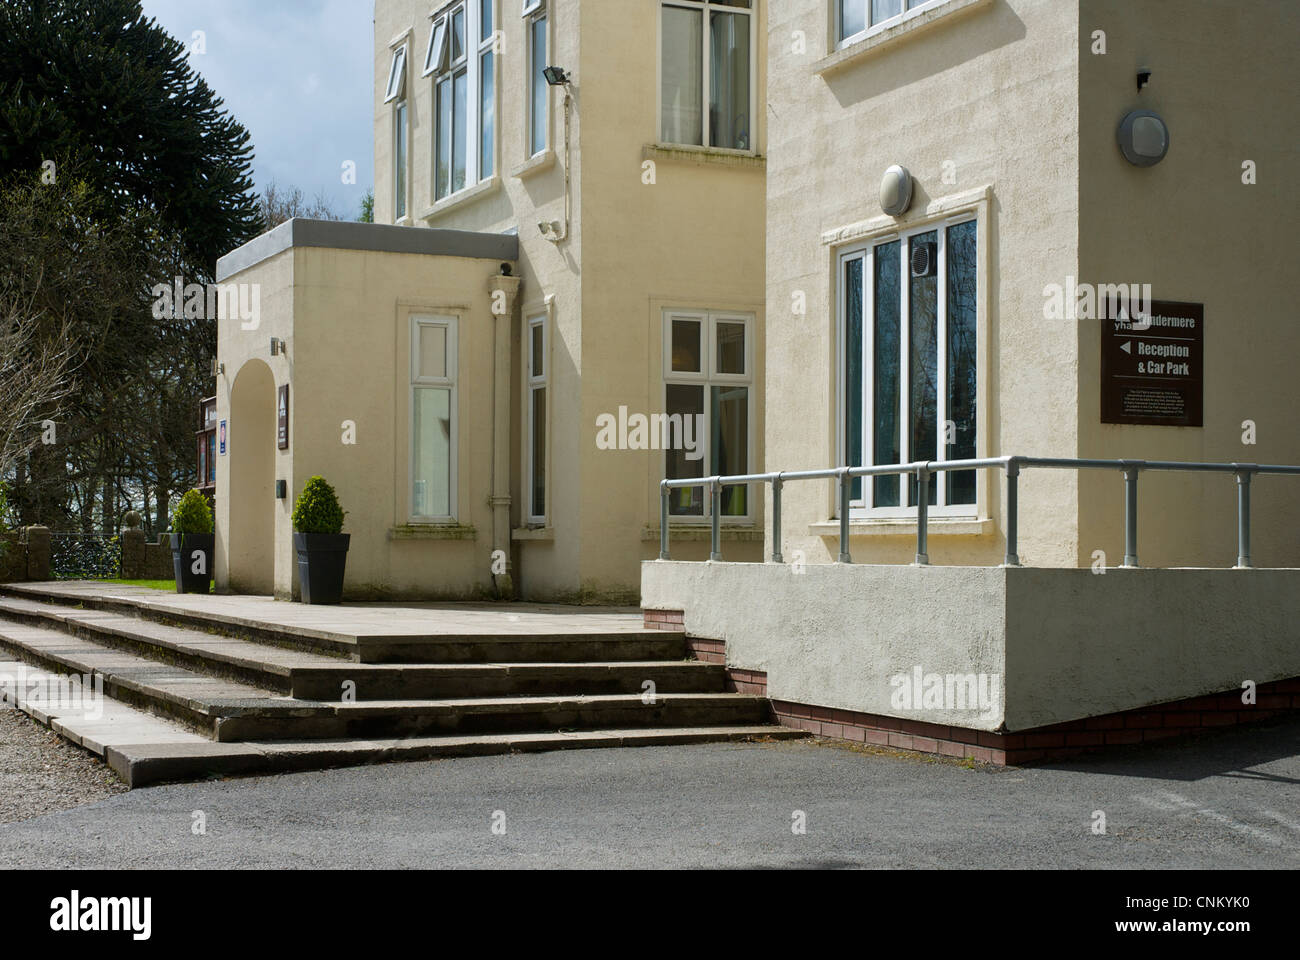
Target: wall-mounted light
pixel 1143 138
pixel 556 76
pixel 218 368
pixel 896 191
pixel 277 347
pixel 1143 78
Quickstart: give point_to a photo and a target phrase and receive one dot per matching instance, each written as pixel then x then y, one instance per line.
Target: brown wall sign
pixel 1154 373
pixel 282 413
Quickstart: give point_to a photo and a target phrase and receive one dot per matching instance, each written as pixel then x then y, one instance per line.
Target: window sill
pixel 906 527
pixel 702 533
pixel 542 534
pixel 703 156
pixel 467 195
pixel 542 162
pixel 432 531
pixel 889 37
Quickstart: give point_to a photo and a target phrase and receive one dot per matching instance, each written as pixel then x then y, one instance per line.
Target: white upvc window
pixel 396 88
pixel 395 93
pixel 434 433
pixel 538 95
pixel 857 19
pixel 909 366
pixel 536 417
pixel 709 401
pixel 462 62
pixel 708 73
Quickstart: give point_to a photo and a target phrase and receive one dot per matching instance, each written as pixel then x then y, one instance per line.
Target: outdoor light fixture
pixel 896 191
pixel 556 76
pixel 1144 77
pixel 1143 138
pixel 277 346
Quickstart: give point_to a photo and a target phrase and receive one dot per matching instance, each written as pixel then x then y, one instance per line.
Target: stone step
pixel 316 676
pixel 145 749
pixel 536 634
pixel 229 711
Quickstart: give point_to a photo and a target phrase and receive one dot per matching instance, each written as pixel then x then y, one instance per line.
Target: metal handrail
pixel 1011 465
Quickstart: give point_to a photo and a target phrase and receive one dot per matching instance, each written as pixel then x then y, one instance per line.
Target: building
pixel 632 196
pixel 948 309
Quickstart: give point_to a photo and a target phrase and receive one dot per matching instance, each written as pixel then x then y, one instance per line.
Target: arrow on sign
pixel 1127 346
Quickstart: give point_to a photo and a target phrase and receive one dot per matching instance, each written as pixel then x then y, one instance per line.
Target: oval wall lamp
pixel 1143 138
pixel 896 191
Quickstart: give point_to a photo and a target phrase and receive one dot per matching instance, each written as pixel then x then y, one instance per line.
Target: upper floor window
pixel 706 73
pixel 539 94
pixel 908 364
pixel 538 376
pixel 395 93
pixel 461 61
pixel 855 19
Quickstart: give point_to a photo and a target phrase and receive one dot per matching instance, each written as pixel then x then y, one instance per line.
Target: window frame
pixel 837 14
pixel 538 10
pixel 533 383
pixel 401 160
pixel 396 88
pixel 445 69
pixel 451 323
pixel 864 249
pixel 704 7
pixel 707 378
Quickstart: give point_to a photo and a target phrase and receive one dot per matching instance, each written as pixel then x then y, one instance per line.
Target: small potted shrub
pixel 320 542
pixel 193 544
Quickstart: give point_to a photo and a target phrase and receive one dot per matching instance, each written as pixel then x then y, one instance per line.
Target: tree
pixel 146 179
pixel 101 84
pixel 276 205
pixel 367 208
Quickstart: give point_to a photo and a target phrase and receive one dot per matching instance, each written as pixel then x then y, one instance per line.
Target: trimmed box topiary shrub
pixel 321 545
pixel 318 509
pixel 193 544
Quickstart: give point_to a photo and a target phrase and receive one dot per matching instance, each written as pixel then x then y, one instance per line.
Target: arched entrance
pixel 251 539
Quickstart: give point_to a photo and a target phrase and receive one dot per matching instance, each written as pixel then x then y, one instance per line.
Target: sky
pixel 298 74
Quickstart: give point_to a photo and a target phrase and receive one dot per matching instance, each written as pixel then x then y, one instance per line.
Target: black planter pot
pixel 322 558
pixel 188 549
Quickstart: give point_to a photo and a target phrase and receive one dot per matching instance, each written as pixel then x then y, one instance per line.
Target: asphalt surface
pixel 1230 799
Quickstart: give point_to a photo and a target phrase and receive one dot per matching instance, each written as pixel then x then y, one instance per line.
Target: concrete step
pixel 536 635
pixel 317 676
pixel 145 749
pixel 229 711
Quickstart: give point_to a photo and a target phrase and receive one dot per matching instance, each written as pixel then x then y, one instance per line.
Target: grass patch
pixel 168 585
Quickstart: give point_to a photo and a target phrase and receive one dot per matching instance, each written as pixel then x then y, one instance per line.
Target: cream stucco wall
pixel 986 95
pixel 345 316
pixel 1064 643
pixel 693 239
pixel 1222 76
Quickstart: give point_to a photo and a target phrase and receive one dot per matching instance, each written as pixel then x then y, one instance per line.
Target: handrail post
pixel 1243 519
pixel 1130 517
pixel 922 514
pixel 715 551
pixel 846 496
pixel 1013 514
pixel 664 495
pixel 776 519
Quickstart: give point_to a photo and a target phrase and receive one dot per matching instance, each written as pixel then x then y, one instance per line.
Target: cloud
pixel 299 76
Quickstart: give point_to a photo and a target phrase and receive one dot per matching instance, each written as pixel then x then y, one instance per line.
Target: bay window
pixel 708 399
pixel 909 369
pixel 461 61
pixel 709 40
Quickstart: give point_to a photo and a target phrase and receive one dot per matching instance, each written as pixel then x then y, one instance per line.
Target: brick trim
pixel 1055 742
pixel 663 619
